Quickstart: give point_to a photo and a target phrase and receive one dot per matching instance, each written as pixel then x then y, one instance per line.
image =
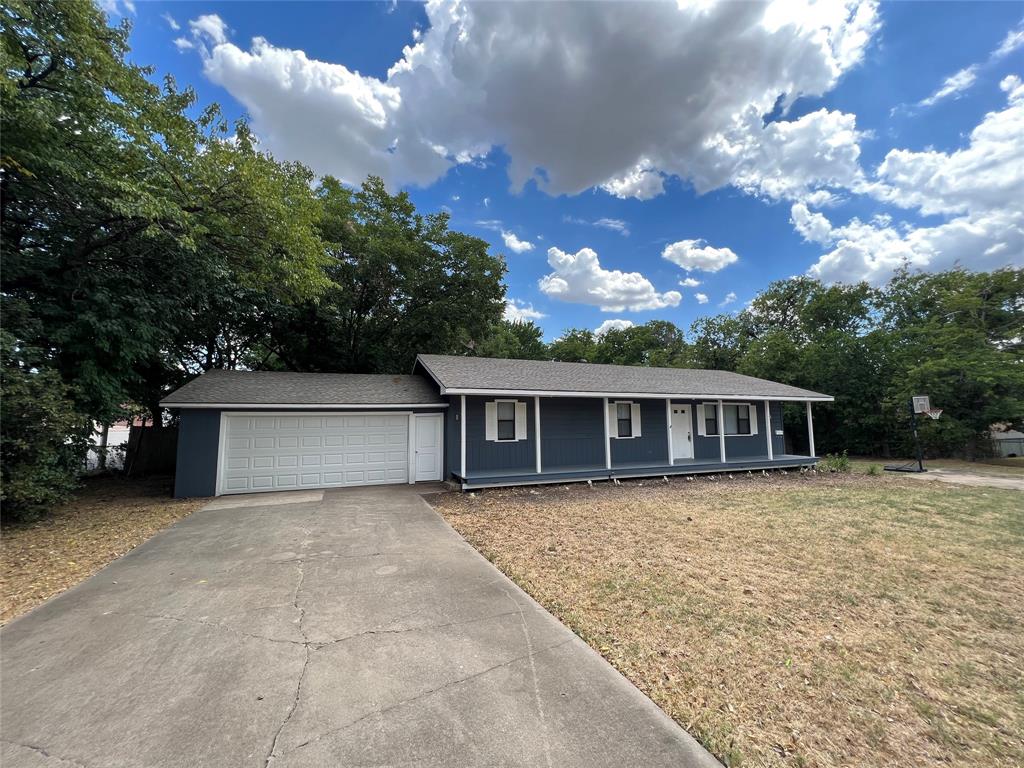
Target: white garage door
pixel 312 450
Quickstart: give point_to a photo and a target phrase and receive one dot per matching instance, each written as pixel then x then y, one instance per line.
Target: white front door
pixel 428 447
pixel 682 432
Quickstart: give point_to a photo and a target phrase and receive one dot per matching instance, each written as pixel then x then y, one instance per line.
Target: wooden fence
pixel 151 451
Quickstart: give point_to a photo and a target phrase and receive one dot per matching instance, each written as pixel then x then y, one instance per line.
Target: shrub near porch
pixel 828 620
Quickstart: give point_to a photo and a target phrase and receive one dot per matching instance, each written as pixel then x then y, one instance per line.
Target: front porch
pixel 627 470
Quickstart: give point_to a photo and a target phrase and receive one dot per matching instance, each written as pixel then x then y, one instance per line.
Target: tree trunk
pixel 104 434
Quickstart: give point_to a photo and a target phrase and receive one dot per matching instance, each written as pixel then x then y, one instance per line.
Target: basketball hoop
pixel 920 404
pixel 934 413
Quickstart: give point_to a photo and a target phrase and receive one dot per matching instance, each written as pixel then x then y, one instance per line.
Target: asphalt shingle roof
pixel 276 388
pixel 468 373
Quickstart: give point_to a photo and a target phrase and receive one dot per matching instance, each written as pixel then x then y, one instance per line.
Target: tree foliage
pixel 146 240
pixel 42 437
pixel 955 335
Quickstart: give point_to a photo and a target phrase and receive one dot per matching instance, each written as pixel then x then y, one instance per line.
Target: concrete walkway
pixel 975 479
pixel 352 627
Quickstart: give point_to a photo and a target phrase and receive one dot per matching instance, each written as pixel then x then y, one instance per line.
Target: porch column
pixel 536 428
pixel 768 428
pixel 721 431
pixel 668 430
pixel 810 429
pixel 462 437
pixel 607 438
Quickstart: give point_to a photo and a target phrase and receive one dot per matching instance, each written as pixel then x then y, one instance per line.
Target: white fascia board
pixel 308 406
pixel 630 395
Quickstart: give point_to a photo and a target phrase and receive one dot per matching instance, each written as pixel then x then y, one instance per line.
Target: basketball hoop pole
pixel 917 440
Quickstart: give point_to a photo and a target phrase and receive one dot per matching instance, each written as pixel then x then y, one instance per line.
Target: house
pixel 110 443
pixel 1008 443
pixel 479 422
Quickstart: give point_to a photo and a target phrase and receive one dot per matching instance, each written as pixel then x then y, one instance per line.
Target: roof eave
pixel 305 406
pixel 810 397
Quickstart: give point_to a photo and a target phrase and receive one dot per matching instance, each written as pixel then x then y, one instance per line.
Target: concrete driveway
pixel 350 627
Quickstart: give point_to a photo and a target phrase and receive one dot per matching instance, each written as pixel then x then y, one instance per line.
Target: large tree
pixel 124 219
pixel 402 283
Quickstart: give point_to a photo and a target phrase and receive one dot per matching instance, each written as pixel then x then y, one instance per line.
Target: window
pixel 742 419
pixel 506 420
pixel 710 420
pixel 624 418
pixel 737 418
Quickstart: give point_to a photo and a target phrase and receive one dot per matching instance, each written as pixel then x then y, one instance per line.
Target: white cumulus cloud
pixel 211 26
pixel 978 189
pixel 555 85
pixel 813 227
pixel 612 325
pixel 641 182
pixel 514 244
pixel 580 278
pixel 517 311
pixel 171 21
pixel 689 282
pixel 730 297
pixel 696 254
pixel 702 298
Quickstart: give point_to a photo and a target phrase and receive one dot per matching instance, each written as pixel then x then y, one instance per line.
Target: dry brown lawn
pixel 107 518
pixel 789 620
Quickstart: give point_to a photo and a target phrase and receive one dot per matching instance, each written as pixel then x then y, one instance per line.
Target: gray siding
pixel 195 472
pixel 652 445
pixel 572 432
pixel 483 455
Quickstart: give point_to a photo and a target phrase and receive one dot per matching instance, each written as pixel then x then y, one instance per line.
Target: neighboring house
pixel 1009 443
pixel 477 421
pixel 116 443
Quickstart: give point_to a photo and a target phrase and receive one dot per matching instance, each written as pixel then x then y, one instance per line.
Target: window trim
pixel 635 427
pixel 515 420
pixel 751 412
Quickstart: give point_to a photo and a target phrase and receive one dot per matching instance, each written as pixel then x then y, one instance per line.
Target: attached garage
pixel 312 450
pixel 246 432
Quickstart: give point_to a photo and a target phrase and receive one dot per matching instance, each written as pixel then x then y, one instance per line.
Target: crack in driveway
pixel 412 699
pixel 301 566
pixel 44 752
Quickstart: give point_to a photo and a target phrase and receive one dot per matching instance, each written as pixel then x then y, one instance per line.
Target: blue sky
pixel 642 162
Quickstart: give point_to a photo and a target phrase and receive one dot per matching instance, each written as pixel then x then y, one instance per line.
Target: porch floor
pixel 494 478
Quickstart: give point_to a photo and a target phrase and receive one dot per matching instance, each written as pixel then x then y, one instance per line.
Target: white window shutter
pixel 520 421
pixel 753 419
pixel 701 424
pixel 491 420
pixel 634 415
pixel 613 420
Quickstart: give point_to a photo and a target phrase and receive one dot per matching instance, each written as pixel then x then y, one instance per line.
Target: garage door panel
pixel 313 451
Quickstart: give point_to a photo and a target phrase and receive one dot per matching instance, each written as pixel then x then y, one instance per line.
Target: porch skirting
pixel 497 479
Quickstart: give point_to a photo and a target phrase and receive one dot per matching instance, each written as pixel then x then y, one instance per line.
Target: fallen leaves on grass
pixel 106 519
pixel 789 621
